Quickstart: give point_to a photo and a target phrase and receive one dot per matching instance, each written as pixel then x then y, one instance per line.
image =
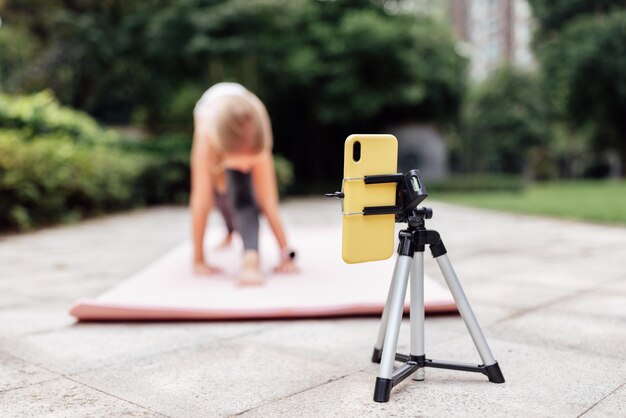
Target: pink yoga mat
pixel 324 287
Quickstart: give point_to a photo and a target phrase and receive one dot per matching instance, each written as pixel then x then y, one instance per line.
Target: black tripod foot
pixel 494 373
pixel 377 355
pixel 382 391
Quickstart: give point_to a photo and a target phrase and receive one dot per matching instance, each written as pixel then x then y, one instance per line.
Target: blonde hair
pixel 233 118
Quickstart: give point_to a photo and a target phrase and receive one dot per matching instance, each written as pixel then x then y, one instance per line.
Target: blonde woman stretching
pixel 231 157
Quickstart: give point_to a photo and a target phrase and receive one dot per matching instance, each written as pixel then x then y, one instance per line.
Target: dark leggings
pixel 239 208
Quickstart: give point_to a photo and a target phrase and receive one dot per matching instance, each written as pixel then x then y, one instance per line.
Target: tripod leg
pixel 378 347
pixel 491 365
pixel 417 311
pixel 382 390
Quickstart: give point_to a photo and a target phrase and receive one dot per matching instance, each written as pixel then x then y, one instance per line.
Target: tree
pixel 324 68
pixel 506 117
pixel 584 64
pixel 331 68
pixel 553 15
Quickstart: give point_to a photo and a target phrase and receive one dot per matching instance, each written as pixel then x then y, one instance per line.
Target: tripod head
pixel 410 192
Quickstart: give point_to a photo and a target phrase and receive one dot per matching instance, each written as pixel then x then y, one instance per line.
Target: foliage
pixel 324 68
pixel 505 117
pixel 165 177
pixel 41 114
pixel 553 15
pixel 58 164
pixel 582 49
pixel 90 53
pixel 585 67
pixel 332 68
pixel 284 173
pixel 16 49
pixel 49 179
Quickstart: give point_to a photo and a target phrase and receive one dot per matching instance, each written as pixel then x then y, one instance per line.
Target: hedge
pixel 50 179
pixel 59 165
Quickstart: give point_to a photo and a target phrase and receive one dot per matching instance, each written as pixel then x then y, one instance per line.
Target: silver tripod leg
pixel 383 320
pixel 394 315
pixel 417 310
pixel 465 310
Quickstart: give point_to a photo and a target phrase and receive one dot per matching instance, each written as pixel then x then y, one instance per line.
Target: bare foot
pixel 250 272
pixel 228 239
pixel 205 269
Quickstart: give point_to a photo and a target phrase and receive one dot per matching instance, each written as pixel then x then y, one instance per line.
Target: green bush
pixel 41 114
pixel 477 183
pixel 58 165
pixel 284 173
pixel 49 179
pixel 166 174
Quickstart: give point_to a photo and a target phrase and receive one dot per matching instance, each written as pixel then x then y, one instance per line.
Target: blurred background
pixel 507 104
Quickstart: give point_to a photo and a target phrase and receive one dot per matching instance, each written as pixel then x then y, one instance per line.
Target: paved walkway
pixel 550 294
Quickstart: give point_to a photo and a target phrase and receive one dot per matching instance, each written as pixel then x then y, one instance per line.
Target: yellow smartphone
pixel 371 237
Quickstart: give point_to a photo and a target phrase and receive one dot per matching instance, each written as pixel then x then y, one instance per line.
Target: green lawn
pixel 601 201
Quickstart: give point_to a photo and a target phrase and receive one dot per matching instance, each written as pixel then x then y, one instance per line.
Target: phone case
pixel 368 238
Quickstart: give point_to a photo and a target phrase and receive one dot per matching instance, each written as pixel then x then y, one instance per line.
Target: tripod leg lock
pixel 438 249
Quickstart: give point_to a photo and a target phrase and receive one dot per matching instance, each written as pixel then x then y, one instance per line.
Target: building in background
pixel 493 33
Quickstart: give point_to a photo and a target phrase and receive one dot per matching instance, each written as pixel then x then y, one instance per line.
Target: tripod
pixel 410 192
pixel 410 262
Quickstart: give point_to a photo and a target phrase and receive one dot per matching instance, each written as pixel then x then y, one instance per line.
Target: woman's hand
pixel 287 262
pixel 204 269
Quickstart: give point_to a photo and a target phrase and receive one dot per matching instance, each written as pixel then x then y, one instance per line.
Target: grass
pixel 599 201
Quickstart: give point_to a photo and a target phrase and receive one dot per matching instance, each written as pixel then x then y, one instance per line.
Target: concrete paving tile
pixel 474 269
pixel 63 289
pixel 555 277
pixel 11 298
pixel 618 286
pixel 594 270
pixel 342 342
pixel 215 380
pixel 510 295
pixel 17 373
pixel 86 346
pixel 558 360
pixel 65 398
pixel 601 303
pixel 526 266
pixel 613 406
pixel 34 318
pixel 596 335
pixel 541 382
pixel 115 245
pixel 485 314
